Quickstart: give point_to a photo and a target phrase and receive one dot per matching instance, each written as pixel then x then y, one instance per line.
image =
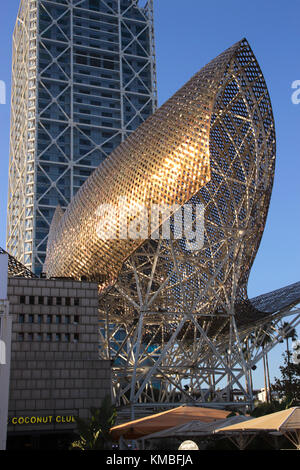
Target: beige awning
pixel 196 428
pixel 282 421
pixel 167 419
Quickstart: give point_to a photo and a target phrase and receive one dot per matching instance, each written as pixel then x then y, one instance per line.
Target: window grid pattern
pixel 91 83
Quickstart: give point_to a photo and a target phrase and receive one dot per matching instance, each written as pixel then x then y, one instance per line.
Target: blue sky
pixel 188 35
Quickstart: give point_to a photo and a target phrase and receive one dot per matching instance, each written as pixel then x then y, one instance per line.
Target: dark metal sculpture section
pixel 15 268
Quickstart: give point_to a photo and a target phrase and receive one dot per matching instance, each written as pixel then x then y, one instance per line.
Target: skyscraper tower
pixel 83 78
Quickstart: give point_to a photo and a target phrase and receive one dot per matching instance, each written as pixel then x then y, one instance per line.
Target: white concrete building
pixel 5 348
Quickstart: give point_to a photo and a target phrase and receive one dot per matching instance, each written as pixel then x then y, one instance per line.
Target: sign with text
pixel 48 419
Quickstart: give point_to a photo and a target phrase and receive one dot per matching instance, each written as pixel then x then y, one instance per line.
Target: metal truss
pixel 212 143
pixel 46 164
pixel 162 357
pixel 20 222
pixel 174 319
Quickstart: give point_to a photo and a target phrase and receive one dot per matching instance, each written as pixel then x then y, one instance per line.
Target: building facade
pixel 83 78
pixel 56 373
pixel 5 343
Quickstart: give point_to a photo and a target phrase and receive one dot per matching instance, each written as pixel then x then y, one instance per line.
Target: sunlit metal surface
pixel 165 161
pixel 213 142
pixel 223 118
pixel 167 312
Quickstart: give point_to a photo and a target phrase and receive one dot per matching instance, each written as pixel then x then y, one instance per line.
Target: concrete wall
pixel 5 344
pixel 55 370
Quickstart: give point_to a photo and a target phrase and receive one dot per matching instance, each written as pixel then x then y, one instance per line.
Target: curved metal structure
pixel 166 308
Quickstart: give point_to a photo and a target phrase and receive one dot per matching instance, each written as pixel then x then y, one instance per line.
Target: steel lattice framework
pixel 23 123
pixel 83 79
pixel 176 322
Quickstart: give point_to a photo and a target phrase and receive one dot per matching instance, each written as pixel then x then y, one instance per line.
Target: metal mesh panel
pixel 165 161
pixel 15 268
pixel 169 313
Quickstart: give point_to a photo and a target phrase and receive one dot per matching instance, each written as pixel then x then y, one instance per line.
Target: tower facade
pixel 83 78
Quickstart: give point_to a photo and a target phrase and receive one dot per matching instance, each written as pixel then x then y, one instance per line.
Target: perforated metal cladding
pixel 236 199
pixel 242 156
pixel 165 161
pixel 172 311
pixel 15 268
pixel 212 142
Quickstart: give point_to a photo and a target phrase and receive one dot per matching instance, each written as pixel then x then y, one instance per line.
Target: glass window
pixel 21 318
pixel 76 337
pixel 20 336
pixel 30 318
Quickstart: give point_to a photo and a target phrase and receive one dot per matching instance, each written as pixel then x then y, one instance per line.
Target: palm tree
pixel 250 339
pixel 94 433
pixel 247 355
pixel 292 334
pixel 267 371
pixel 264 339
